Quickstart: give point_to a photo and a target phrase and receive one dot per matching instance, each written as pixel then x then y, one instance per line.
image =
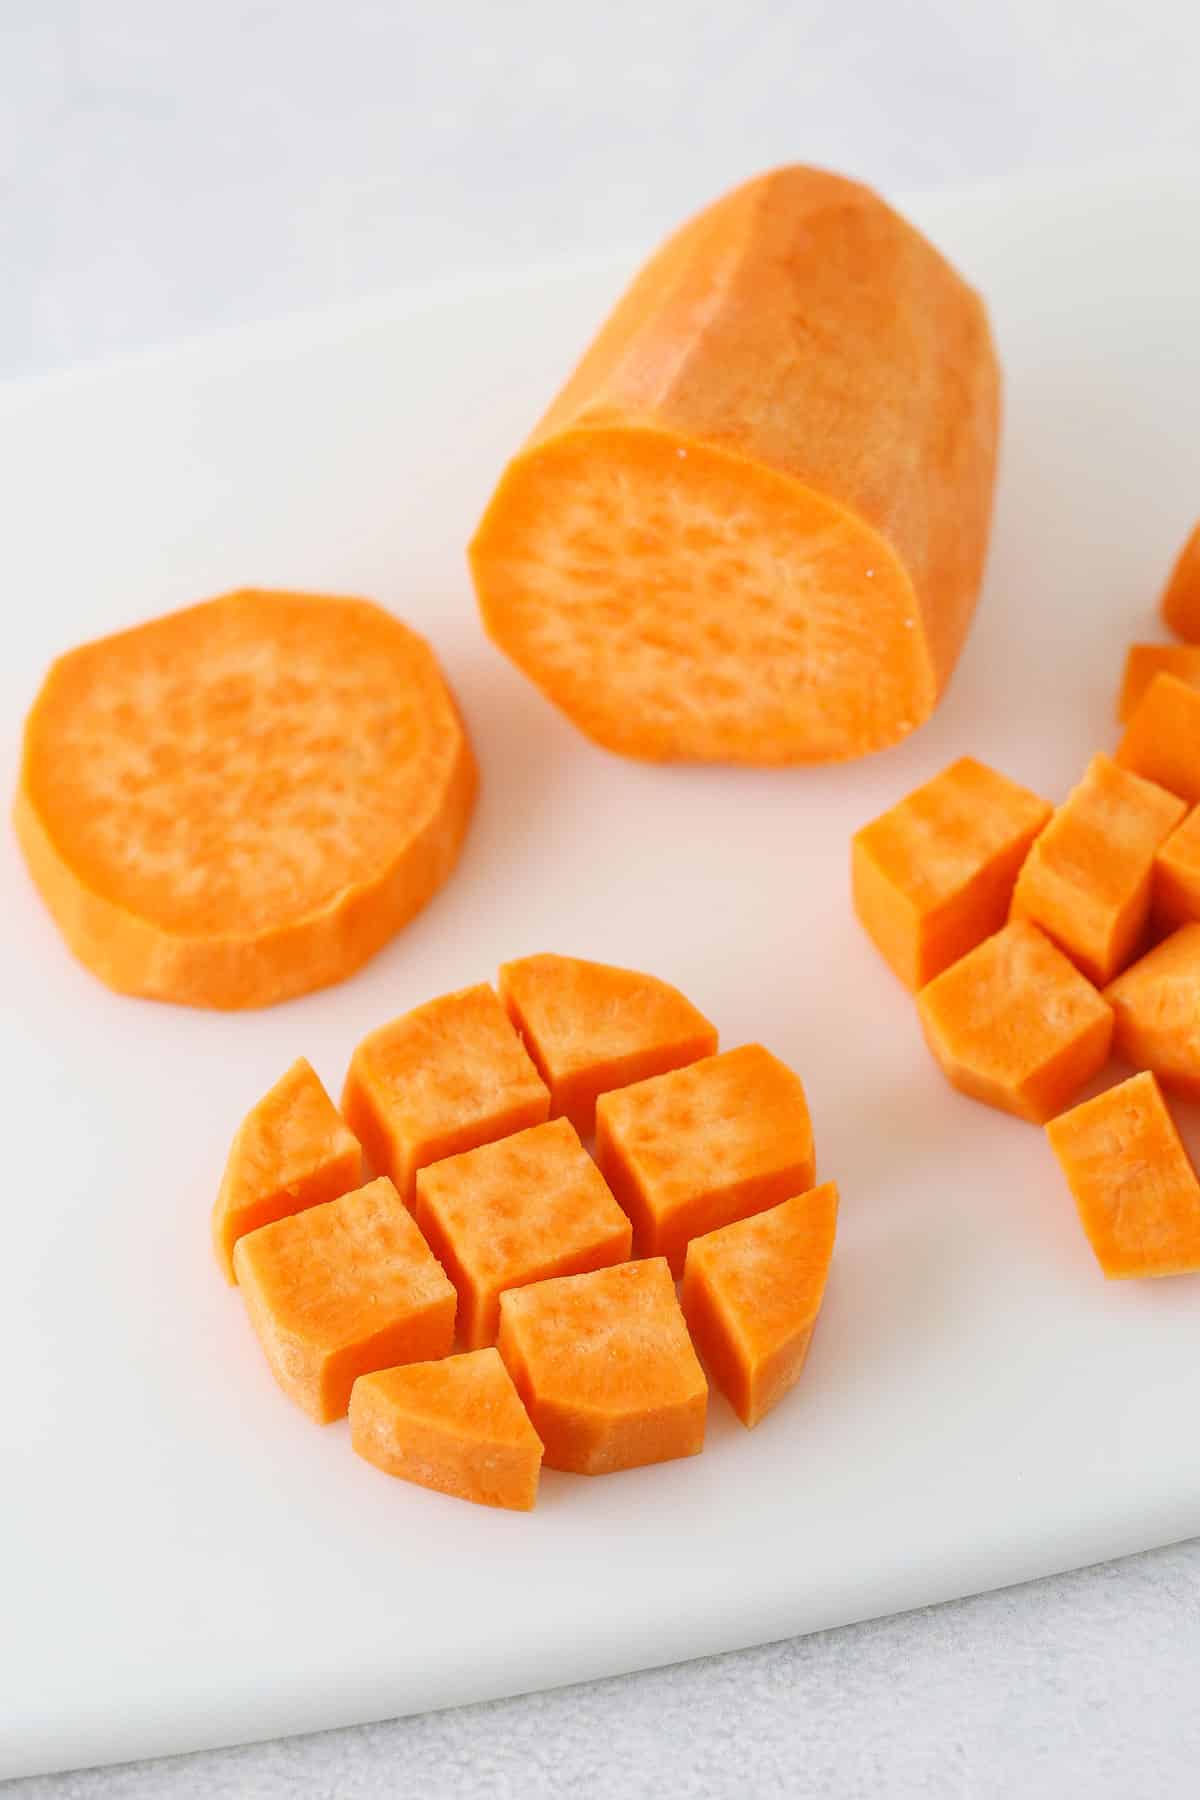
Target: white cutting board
pixel 186 1560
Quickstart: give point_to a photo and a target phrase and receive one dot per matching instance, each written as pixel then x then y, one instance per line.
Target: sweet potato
pixel 751 1294
pixel 605 1367
pixel 444 1078
pixel 933 876
pixel 1145 661
pixel 1015 1024
pixel 522 1209
pixel 1134 1185
pixel 239 802
pixel 1156 1005
pixel 1176 899
pixel 1181 597
pixel 1162 739
pixel 1088 879
pixel 340 1290
pixel 590 1027
pixel 704 1145
pixel 291 1151
pixel 456 1425
pixel 751 527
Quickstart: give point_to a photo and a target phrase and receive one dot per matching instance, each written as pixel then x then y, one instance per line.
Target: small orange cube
pixel 1181 597
pixel 1177 876
pixel 291 1151
pixel 444 1078
pixel 606 1368
pixel 522 1209
pixel 702 1146
pixel 340 1290
pixel 751 1295
pixel 1087 881
pixel 1156 1005
pixel 1015 1024
pixel 1145 661
pixel 1134 1185
pixel 590 1027
pixel 1162 738
pixel 456 1425
pixel 933 876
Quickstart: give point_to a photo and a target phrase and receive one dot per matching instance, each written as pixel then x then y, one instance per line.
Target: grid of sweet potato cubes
pixel 494 1297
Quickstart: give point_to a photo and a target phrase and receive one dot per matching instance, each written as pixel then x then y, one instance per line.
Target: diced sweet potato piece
pixel 456 1425
pixel 1156 1005
pixel 1145 661
pixel 1177 876
pixel 340 1290
pixel 1015 1024
pixel 522 1209
pixel 1181 597
pixel 446 1077
pixel 1087 881
pixel 292 1150
pixel 1134 1185
pixel 605 1367
pixel 933 876
pixel 590 1027
pixel 751 1295
pixel 1162 739
pixel 702 1146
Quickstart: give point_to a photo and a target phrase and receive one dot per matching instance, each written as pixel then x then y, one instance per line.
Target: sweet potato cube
pixel 443 1078
pixel 1181 597
pixel 1134 1185
pixel 1087 881
pixel 522 1209
pixel 456 1425
pixel 1156 1006
pixel 751 1295
pixel 340 1290
pixel 1145 661
pixel 933 876
pixel 1177 876
pixel 291 1151
pixel 590 1027
pixel 1162 738
pixel 606 1368
pixel 1015 1024
pixel 702 1146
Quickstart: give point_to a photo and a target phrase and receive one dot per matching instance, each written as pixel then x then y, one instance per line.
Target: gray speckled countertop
pixel 168 169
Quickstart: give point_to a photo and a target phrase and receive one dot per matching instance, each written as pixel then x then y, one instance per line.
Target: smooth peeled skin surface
pixel 752 526
pixel 1134 1185
pixel 242 801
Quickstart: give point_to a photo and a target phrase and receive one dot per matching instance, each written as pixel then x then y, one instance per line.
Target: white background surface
pixel 167 172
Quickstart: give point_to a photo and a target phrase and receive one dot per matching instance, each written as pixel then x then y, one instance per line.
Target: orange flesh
pixel 1087 881
pixel 444 1078
pixel 591 1027
pixel 605 1367
pixel 1162 739
pixel 1181 599
pixel 1145 661
pixel 245 800
pixel 751 1295
pixel 1015 1024
pixel 456 1425
pixel 702 1146
pixel 1177 876
pixel 934 875
pixel 1156 1004
pixel 291 1151
pixel 752 525
pixel 343 1289
pixel 526 1208
pixel 1136 1190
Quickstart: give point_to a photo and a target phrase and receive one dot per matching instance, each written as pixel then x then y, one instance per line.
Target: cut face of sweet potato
pixel 1156 1004
pixel 291 1151
pixel 1181 597
pixel 702 1146
pixel 457 1425
pixel 1177 876
pixel 590 1027
pixel 1145 661
pixel 245 800
pixel 751 1294
pixel 605 1367
pixel 1162 739
pixel 522 1209
pixel 444 1078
